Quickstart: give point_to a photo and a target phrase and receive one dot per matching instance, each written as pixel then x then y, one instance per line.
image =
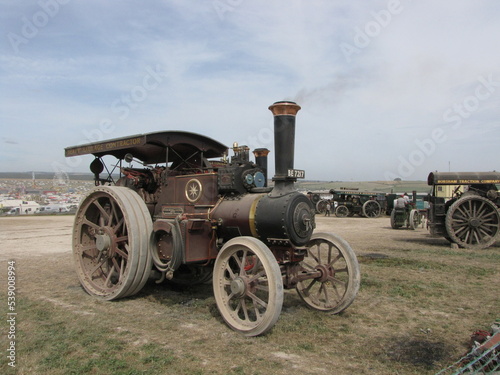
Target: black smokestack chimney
pixel 261 160
pixel 284 145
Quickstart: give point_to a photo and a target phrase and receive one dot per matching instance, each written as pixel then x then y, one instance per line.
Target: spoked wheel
pixel 414 219
pixel 248 287
pixel 336 287
pixel 394 225
pixel 321 206
pixel 371 209
pixel 473 222
pixel 341 211
pixel 110 242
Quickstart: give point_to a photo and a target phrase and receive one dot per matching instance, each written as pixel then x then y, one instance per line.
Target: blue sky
pixel 388 89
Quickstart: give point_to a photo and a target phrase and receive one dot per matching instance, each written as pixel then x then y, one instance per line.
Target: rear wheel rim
pixel 110 243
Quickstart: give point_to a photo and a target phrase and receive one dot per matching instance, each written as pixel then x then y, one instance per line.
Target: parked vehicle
pixel 53 209
pixel 193 215
pixel 24 208
pixel 471 218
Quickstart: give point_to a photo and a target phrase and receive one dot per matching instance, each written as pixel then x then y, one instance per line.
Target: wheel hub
pixel 325 272
pixel 238 287
pixel 475 222
pixel 102 241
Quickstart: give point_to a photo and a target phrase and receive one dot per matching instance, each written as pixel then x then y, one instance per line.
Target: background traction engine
pixel 195 219
pixel 471 218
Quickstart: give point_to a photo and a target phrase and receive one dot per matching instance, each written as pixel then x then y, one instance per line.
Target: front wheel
pixel 414 219
pixel 341 211
pixel 248 286
pixel 338 284
pixel 371 208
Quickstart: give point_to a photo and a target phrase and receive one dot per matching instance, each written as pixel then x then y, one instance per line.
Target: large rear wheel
pixel 248 286
pixel 110 242
pixel 473 222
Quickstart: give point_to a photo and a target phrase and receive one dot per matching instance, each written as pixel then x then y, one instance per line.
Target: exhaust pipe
pixel 284 144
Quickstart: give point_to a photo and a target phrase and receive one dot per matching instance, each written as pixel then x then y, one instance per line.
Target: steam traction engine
pixel 471 218
pixel 363 203
pixel 194 218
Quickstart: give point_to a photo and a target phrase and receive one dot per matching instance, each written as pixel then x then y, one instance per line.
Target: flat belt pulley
pixel 166 246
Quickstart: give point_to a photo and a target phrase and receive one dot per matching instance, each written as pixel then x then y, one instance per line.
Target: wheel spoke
pixel 118 225
pixel 104 213
pixel 106 282
pixel 263 287
pixel 116 265
pixel 230 297
pixel 311 254
pixel 331 263
pixel 243 307
pixel 99 265
pixel 476 236
pixel 87 222
pixel 257 276
pixel 339 270
pixel 334 282
pixel 257 300
pixel 243 265
pixel 229 270
pixel 123 253
pixel 465 214
pixel 489 214
pixel 307 290
pixel 121 239
pixel 257 269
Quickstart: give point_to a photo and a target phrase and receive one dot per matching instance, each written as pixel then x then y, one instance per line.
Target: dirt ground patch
pixel 418 303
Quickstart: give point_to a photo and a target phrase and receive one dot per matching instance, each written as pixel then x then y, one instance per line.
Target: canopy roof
pixel 151 148
pixel 355 192
pixel 463 178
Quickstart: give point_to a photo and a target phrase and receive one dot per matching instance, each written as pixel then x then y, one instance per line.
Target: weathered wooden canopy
pixel 463 178
pixel 151 148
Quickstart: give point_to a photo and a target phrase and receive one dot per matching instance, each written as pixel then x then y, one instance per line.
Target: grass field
pixel 419 302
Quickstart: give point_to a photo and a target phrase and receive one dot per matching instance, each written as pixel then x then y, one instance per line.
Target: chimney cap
pixel 284 108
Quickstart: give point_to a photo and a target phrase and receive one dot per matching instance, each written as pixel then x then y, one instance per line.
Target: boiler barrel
pixel 287 217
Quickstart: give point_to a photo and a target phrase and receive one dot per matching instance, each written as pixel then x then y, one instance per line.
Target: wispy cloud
pixel 219 74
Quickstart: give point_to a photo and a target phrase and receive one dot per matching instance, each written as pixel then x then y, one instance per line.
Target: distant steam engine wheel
pixel 371 209
pixel 341 211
